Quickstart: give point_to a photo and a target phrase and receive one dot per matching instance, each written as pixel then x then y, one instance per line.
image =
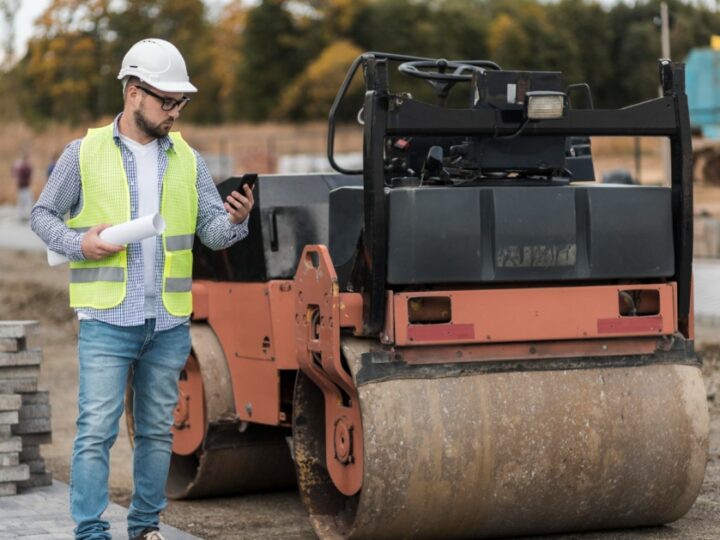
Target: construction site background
pixel 261 148
pixel 283 147
pixel 240 147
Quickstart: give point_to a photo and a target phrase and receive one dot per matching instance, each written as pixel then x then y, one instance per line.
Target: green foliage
pixel 313 91
pixel 226 59
pixel 272 56
pixel 402 26
pixel 284 59
pixel 62 69
pixel 585 26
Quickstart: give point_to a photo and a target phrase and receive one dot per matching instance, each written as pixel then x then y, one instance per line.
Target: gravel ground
pixel 29 289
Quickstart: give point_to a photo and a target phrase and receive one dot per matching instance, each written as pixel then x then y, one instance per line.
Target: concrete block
pixel 29 452
pixel 32 425
pixel 34 439
pixel 17 329
pixel 13 444
pixel 12 344
pixel 7 488
pixel 5 431
pixel 34 411
pixel 9 417
pixel 35 480
pixel 14 474
pixel 37 466
pixel 41 397
pixel 31 357
pixel 9 459
pixel 19 372
pixel 18 386
pixel 10 402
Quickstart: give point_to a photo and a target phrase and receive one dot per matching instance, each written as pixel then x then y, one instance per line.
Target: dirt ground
pixel 29 289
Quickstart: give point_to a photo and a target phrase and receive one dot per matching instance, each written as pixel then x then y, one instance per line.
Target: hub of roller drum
pixel 508 454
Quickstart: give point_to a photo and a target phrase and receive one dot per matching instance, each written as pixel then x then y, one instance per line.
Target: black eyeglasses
pixel 166 103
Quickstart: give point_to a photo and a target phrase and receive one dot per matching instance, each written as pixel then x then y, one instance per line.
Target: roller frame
pixel 318 321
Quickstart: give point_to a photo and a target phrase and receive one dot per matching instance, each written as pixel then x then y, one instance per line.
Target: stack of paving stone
pixel 11 471
pixel 24 411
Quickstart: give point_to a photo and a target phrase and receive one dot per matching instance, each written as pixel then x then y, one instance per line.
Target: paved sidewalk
pixel 707 289
pixel 43 514
pixel 17 234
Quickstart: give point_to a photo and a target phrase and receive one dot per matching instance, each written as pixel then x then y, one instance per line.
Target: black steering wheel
pixel 443 74
pixel 461 69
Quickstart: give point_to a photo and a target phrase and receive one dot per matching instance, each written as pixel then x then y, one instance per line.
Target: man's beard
pixel 155 131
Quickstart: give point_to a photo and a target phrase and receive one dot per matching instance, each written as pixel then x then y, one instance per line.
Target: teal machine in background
pixel 702 74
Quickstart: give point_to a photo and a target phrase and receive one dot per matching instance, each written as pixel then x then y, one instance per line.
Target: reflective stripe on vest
pixel 88 275
pixel 179 242
pixel 106 199
pixel 178 284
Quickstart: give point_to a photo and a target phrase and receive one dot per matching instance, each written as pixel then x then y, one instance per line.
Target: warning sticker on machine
pixel 540 256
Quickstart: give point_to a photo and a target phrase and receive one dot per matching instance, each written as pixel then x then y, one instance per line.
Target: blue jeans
pixel 107 353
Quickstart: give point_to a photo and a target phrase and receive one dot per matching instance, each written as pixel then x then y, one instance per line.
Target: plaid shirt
pixel 63 194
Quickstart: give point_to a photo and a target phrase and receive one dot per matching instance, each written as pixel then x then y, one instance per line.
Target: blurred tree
pixel 226 58
pixel 633 51
pixel 463 26
pixel 9 86
pixel 635 45
pixel 331 19
pixel 135 21
pixel 398 26
pixel 8 13
pixel 182 22
pixel 311 94
pixel 588 34
pixel 284 58
pixel 524 36
pixel 72 66
pixel 126 26
pixel 61 66
pixel 692 27
pixel 508 42
pixel 272 51
pixel 403 27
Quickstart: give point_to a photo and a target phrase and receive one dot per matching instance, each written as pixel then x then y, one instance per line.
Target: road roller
pixel 467 337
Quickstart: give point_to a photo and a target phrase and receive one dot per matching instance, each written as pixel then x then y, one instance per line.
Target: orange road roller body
pixel 465 338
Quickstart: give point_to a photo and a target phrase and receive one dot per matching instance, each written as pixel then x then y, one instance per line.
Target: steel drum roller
pixel 508 454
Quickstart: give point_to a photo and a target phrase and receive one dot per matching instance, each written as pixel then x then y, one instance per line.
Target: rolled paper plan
pixel 124 233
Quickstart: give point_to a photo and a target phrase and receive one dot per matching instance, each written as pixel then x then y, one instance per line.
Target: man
pixel 22 173
pixel 133 303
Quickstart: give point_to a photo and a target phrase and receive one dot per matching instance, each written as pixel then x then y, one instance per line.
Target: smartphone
pixel 249 179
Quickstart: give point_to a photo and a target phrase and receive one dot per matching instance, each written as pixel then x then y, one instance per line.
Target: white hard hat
pixel 158 63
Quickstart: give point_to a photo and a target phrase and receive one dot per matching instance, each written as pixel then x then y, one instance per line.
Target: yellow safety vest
pixel 106 199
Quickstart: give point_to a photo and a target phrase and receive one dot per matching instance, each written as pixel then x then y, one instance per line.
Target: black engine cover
pixel 509 234
pixel 488 234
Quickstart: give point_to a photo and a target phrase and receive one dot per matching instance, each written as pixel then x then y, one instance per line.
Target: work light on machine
pixel 543 105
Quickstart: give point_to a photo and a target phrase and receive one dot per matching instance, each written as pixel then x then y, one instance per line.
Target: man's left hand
pixel 239 205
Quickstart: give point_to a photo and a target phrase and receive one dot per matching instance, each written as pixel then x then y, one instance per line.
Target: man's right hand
pixel 94 247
